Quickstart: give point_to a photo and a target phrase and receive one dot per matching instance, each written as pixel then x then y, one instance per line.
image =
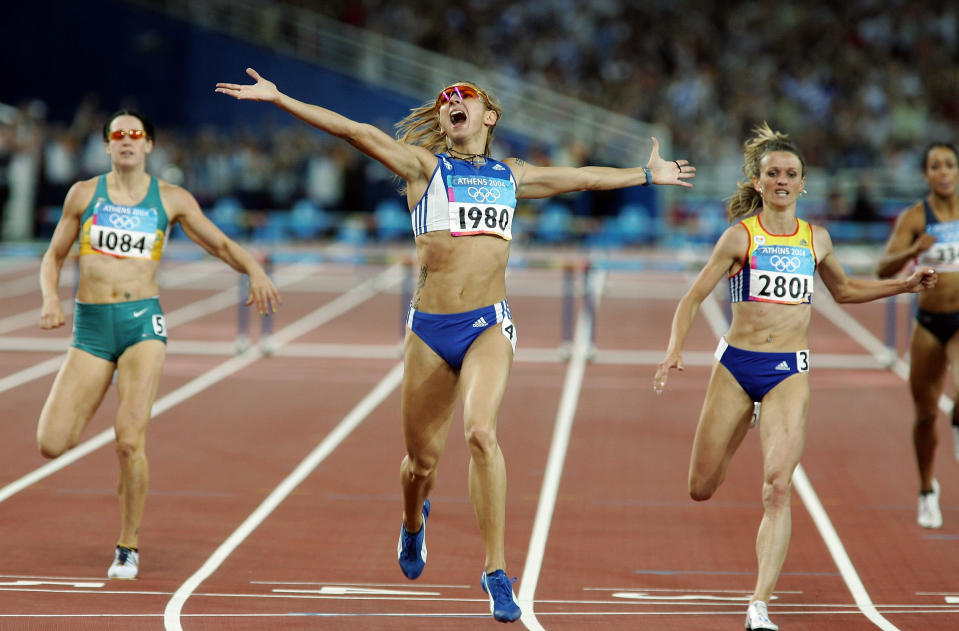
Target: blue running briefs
pixel 758 372
pixel 450 335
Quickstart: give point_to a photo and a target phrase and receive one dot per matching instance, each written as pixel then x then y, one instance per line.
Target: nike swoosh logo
pixel 137 314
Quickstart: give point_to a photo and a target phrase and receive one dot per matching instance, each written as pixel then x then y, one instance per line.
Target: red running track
pixel 600 530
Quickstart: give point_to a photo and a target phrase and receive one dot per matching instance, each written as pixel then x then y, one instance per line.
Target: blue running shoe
pixel 411 548
pixel 502 601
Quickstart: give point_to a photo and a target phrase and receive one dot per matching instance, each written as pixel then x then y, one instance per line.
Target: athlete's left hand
pixel 673 172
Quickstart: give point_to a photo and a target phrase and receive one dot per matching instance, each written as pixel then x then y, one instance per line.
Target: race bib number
pixel 124 231
pixel 944 253
pixel 802 361
pixel 159 324
pixel 781 274
pixel 481 205
pixel 509 330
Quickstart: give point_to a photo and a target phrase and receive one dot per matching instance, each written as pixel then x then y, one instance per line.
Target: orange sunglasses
pixel 134 134
pixel 461 91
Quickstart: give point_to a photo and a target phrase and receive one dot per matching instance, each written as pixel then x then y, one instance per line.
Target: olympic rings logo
pixel 484 194
pixel 124 222
pixel 784 263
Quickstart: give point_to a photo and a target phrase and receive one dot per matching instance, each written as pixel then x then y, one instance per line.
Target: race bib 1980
pixel 481 205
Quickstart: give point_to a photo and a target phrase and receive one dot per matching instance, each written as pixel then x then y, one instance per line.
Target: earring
pixel 804 191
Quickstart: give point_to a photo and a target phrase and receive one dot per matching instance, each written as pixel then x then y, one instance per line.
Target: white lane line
pixel 887 356
pixel 27 375
pixel 174 318
pixel 557 456
pixel 837 550
pixel 29 317
pixel 32 316
pixel 171 614
pixel 320 316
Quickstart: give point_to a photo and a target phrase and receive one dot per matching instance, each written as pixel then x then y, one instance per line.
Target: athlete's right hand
pixel 672 360
pixel 51 314
pixel 262 90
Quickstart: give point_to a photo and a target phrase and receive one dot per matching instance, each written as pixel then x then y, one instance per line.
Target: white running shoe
pixel 126 563
pixel 757 618
pixel 756 409
pixel 929 514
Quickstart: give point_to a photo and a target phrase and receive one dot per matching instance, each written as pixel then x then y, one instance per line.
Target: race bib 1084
pixel 124 231
pixel 481 205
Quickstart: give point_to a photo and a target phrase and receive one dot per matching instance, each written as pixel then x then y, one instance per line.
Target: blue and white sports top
pixel 944 253
pixel 776 267
pixel 467 199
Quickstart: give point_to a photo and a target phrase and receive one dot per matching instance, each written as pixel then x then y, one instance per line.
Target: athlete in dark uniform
pixel 928 233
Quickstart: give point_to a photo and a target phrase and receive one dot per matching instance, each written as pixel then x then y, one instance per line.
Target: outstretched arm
pixel 534 181
pixel 204 232
pixel 407 161
pixel 727 252
pixel 845 289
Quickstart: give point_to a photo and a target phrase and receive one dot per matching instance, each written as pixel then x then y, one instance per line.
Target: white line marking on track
pixel 808 494
pixel 171 614
pixel 870 342
pixel 557 456
pixel 327 312
pixel 336 590
pixel 662 597
pixel 36 583
pixel 837 550
pixel 192 311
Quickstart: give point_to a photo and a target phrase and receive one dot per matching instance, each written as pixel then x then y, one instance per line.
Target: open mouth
pixel 457 117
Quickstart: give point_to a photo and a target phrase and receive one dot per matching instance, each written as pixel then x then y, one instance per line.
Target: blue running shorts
pixel 450 335
pixel 758 372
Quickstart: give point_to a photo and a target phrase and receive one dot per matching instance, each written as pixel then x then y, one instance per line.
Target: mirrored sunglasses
pixel 134 134
pixel 462 92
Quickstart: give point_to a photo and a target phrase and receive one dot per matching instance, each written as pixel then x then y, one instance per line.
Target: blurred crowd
pixel 864 83
pixel 261 169
pixel 858 83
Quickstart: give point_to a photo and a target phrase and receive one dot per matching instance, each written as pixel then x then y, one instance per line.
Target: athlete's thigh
pixel 483 376
pixel 428 395
pixel 76 394
pixel 723 421
pixel 138 378
pixel 952 358
pixel 927 368
pixel 782 431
